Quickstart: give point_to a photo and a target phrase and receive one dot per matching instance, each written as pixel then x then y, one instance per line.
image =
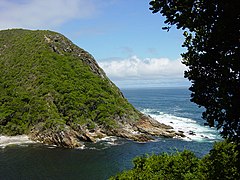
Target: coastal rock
pixel 66 138
pixel 152 127
pixel 94 135
pixel 146 129
pixel 130 134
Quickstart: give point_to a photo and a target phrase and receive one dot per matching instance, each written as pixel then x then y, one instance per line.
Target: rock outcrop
pixel 146 129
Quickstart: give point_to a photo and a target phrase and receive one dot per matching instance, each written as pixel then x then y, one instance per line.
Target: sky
pixel 124 37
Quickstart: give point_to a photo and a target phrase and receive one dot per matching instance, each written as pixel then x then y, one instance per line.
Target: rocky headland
pixel 55 93
pixel 144 130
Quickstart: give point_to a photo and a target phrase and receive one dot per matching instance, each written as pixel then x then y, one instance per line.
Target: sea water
pixel 98 161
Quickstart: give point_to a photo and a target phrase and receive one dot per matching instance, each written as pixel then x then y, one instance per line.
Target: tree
pixel 221 162
pixel 212 39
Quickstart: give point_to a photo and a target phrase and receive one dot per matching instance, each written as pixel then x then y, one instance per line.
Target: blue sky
pixel 124 36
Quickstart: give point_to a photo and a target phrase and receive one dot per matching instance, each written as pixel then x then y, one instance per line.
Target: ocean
pixel 98 161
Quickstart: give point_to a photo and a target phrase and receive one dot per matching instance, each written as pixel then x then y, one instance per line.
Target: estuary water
pixel 107 157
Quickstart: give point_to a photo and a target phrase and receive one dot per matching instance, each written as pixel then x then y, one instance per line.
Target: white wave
pixel 81 147
pixel 14 140
pixel 190 128
pixel 111 140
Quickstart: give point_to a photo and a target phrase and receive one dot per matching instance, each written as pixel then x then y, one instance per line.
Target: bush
pixel 182 165
pixel 220 163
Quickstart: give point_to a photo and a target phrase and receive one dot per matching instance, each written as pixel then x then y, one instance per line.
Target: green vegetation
pixel 212 42
pixel 47 80
pixel 220 163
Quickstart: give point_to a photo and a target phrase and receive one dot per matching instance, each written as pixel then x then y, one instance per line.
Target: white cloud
pixel 150 71
pixel 42 13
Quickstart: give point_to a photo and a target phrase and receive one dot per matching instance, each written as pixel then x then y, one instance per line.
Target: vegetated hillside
pixel 55 92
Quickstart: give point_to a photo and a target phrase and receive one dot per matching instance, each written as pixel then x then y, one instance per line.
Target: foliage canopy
pixel 220 163
pixel 212 39
pixel 45 79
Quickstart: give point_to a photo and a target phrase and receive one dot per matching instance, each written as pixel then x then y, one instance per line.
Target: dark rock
pixel 191 133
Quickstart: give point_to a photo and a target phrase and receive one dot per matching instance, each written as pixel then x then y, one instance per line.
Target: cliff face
pixel 56 93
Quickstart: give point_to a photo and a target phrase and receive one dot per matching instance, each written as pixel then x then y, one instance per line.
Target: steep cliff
pixel 56 93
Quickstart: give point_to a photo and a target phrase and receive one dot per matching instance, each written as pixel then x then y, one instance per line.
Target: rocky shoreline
pixel 146 129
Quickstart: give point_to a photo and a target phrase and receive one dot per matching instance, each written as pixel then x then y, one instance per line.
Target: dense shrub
pixel 45 78
pixel 220 163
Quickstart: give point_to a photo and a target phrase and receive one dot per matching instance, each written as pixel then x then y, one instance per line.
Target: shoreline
pixel 14 140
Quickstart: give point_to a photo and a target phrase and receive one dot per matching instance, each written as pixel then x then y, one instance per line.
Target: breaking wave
pixel 14 140
pixel 190 128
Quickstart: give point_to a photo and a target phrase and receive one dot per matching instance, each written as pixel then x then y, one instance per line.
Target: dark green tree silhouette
pixel 212 39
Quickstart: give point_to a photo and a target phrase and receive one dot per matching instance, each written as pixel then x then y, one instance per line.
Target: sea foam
pixel 14 140
pixel 190 128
